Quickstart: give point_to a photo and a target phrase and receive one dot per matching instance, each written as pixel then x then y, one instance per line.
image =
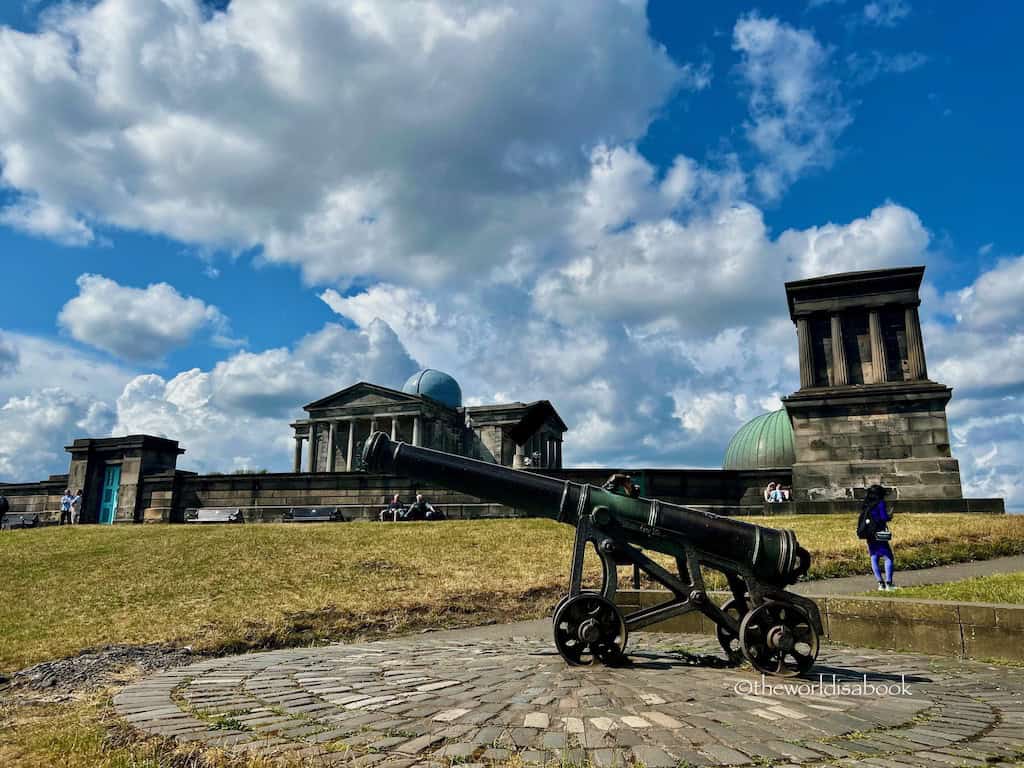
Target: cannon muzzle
pixel 772 556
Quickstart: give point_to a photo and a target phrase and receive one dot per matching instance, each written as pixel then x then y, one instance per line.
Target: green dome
pixel 762 443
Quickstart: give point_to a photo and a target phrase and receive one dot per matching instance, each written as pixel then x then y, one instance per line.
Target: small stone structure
pixel 866 411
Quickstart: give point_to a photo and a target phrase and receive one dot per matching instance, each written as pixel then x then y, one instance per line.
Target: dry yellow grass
pixel 222 588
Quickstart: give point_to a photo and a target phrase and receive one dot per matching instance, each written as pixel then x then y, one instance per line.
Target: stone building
pixel 866 411
pixel 428 412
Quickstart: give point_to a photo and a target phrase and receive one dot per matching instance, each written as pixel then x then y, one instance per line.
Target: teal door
pixel 111 483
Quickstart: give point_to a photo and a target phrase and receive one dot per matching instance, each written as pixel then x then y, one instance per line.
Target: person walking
pixel 872 527
pixel 65 507
pixel 76 507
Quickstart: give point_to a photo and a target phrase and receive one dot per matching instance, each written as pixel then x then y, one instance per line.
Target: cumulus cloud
pixel 43 219
pixel 796 108
pixel 236 415
pixel 141 324
pixel 36 426
pixel 392 139
pixel 8 357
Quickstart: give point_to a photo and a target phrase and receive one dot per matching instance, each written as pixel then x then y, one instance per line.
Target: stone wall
pixel 966 630
pixel 36 498
pixel 896 436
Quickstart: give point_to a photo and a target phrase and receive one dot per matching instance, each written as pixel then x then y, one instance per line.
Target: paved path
pixel 485 695
pixel 855 585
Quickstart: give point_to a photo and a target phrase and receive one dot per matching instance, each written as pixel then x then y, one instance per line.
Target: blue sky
pixel 272 208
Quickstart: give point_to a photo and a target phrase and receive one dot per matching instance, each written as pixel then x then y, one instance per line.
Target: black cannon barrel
pixel 773 555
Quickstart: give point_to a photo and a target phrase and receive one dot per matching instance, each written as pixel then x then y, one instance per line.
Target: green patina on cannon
pixel 775 630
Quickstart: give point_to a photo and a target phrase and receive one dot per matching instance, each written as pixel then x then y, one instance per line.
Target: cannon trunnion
pixel 775 630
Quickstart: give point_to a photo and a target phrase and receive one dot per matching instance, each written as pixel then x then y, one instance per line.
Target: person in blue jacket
pixel 879 547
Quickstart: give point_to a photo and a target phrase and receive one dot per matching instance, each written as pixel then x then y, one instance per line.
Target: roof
pixel 437 385
pixel 363 385
pixel 866 287
pixel 765 442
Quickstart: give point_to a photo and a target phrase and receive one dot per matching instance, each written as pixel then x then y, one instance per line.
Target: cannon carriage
pixel 775 630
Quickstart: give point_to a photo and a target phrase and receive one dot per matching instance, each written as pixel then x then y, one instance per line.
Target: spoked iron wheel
pixel 779 639
pixel 590 629
pixel 565 598
pixel 729 640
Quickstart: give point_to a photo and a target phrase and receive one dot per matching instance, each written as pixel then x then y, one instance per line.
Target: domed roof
pixel 436 385
pixel 762 443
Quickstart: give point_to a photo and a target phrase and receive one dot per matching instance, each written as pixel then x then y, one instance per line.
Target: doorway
pixel 111 484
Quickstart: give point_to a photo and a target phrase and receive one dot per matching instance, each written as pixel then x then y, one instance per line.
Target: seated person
pixel 421 509
pixel 394 511
pixel 769 492
pixel 623 485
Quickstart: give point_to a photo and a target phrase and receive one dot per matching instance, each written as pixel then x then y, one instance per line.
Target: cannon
pixel 775 630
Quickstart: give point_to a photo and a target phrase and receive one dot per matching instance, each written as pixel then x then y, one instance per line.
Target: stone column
pixel 332 444
pixel 517 459
pixel 803 334
pixel 351 444
pixel 394 428
pixel 840 376
pixel 416 429
pixel 311 461
pixel 879 369
pixel 558 454
pixel 297 466
pixel 915 346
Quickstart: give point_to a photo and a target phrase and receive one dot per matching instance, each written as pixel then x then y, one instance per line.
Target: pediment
pixel 362 394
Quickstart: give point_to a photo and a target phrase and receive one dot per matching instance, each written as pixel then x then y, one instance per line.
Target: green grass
pixel 1002 588
pixel 231 588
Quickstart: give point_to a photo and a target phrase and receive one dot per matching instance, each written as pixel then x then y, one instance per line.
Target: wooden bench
pixel 313 515
pixel 21 520
pixel 214 515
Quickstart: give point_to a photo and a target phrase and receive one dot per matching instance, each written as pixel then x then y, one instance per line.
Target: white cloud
pixel 397 140
pixel 46 220
pixel 796 108
pixel 36 426
pixel 885 13
pixel 138 323
pixel 239 411
pixel 9 357
pixel 869 66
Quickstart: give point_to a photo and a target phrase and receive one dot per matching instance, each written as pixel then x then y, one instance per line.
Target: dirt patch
pixel 89 670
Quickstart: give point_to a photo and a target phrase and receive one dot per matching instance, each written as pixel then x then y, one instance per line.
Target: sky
pixel 213 213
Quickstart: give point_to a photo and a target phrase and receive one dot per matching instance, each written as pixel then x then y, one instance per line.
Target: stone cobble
pixel 441 701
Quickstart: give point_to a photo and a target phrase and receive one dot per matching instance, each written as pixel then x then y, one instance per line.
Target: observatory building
pixel 428 412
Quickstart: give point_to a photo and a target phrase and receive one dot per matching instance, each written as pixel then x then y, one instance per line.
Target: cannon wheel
pixel 728 639
pixel 565 598
pixel 590 629
pixel 779 639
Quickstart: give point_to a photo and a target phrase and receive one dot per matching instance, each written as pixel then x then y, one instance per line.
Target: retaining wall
pixel 944 628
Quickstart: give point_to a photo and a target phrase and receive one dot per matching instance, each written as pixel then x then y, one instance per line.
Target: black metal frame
pixel 611 541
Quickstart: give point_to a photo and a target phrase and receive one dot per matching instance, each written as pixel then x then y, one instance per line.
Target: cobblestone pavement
pixel 464 698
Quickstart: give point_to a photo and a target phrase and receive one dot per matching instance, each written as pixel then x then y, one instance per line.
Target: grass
pixel 1001 588
pixel 232 588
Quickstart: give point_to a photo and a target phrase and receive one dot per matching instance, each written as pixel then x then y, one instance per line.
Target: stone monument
pixel 866 411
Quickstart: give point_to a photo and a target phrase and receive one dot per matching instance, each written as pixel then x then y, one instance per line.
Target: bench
pixel 25 520
pixel 213 515
pixel 313 515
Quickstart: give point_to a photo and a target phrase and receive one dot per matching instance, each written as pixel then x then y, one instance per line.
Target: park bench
pixel 313 515
pixel 214 515
pixel 12 521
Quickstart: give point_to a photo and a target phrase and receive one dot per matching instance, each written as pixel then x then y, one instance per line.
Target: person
pixel 421 509
pixel 5 507
pixel 76 507
pixel 394 511
pixel 623 485
pixel 65 507
pixel 769 492
pixel 871 526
